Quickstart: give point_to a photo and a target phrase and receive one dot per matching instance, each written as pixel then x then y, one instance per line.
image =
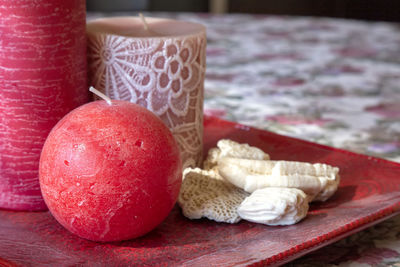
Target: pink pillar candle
pixel 42 77
pixel 159 64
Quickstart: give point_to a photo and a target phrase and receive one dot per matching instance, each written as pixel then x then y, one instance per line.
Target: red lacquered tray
pixel 368 194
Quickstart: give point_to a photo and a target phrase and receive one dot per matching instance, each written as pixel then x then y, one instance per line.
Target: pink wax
pixel 110 172
pixel 42 77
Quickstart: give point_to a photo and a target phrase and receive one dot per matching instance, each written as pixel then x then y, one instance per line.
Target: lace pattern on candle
pixel 164 75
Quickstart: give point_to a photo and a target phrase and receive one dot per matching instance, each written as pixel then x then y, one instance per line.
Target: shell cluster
pixel 241 182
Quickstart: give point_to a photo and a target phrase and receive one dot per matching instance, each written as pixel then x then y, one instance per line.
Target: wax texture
pixel 42 78
pixel 110 172
pixel 165 74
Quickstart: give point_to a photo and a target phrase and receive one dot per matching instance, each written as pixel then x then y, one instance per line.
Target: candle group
pixel 42 78
pixel 158 64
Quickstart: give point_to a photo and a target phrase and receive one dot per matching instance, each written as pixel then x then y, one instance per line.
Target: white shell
pixel 319 181
pixel 274 206
pixel 229 148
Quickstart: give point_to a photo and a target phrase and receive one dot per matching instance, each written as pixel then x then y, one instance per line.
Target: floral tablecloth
pixel 335 82
pixel 330 81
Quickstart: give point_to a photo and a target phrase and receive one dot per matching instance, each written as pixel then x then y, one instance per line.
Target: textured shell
pixel 229 148
pixel 205 194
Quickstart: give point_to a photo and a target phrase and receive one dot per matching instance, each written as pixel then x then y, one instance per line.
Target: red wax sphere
pixel 110 172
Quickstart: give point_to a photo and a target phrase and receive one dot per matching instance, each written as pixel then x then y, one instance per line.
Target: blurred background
pixel 383 10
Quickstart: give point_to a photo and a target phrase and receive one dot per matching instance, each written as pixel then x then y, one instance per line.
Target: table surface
pixel 330 81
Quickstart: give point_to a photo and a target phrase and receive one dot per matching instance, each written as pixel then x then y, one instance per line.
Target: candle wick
pixel 100 94
pixel 145 25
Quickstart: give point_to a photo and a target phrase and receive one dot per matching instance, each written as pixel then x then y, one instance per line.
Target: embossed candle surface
pixel 42 77
pixel 160 67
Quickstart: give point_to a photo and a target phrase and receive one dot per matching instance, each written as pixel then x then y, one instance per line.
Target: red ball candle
pixel 110 172
pixel 42 77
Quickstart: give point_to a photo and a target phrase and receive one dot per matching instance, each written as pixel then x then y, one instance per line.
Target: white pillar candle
pixel 159 64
